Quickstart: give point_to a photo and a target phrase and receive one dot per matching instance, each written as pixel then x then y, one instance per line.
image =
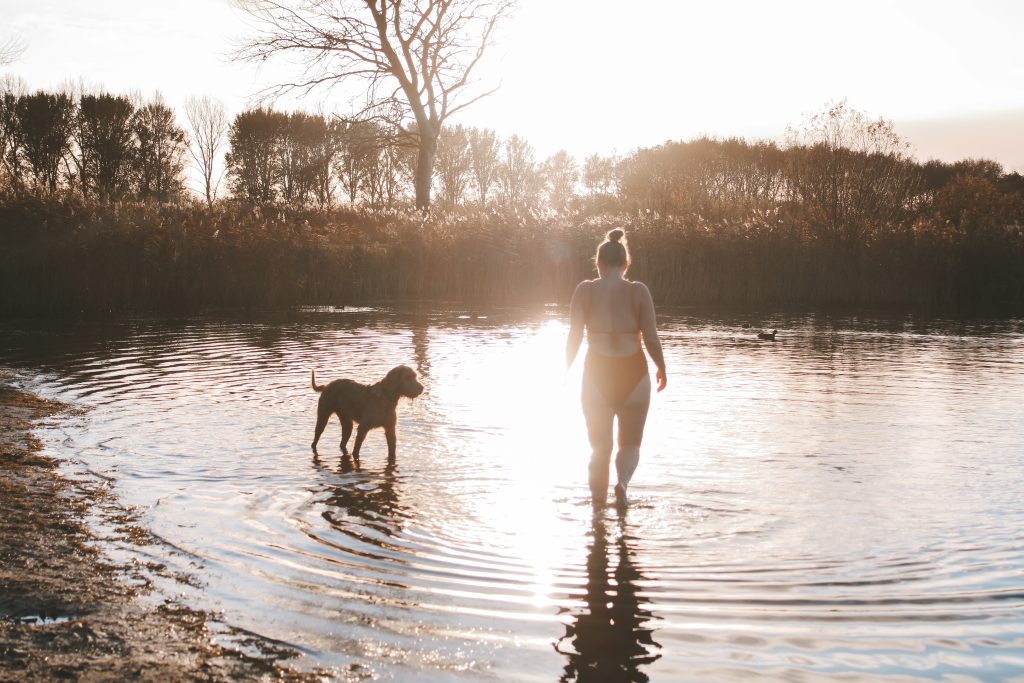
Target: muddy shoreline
pixel 67 611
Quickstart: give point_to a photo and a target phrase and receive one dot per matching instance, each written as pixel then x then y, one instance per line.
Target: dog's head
pixel 401 381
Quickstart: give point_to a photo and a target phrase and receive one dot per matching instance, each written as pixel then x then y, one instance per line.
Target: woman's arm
pixel 577 320
pixel 649 331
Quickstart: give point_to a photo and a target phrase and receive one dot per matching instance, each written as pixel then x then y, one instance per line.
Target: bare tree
pixel 454 164
pixel 160 151
pixel 839 126
pixel 11 50
pixel 560 173
pixel 43 124
pixel 325 147
pixel 485 155
pixel 391 165
pixel 358 152
pixel 11 88
pixel 517 174
pixel 209 125
pixel 599 174
pixel 418 56
pixel 254 160
pixel 855 172
pixel 106 144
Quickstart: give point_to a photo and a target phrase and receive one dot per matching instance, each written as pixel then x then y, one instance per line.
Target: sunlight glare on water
pixel 839 505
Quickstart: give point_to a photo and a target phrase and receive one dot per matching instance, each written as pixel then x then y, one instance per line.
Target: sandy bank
pixel 67 611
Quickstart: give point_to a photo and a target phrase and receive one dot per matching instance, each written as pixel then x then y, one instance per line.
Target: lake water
pixel 841 504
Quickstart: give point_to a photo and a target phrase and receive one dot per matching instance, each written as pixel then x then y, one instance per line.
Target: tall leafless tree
pixel 209 127
pixel 10 50
pixel 419 55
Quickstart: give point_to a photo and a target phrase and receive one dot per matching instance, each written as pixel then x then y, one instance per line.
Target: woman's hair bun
pixel 615 235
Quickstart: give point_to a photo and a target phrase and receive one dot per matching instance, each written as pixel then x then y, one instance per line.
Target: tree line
pixel 840 213
pixel 114 147
pixel 840 174
pixel 100 145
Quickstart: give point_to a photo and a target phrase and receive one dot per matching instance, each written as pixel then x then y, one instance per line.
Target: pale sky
pixel 597 76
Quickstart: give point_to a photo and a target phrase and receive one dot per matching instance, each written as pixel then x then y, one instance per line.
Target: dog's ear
pixel 393 380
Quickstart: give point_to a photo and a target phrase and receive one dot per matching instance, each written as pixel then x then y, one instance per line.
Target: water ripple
pixel 839 504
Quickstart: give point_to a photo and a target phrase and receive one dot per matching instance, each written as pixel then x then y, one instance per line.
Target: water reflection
pixel 372 498
pixel 611 638
pixel 848 493
pixel 421 350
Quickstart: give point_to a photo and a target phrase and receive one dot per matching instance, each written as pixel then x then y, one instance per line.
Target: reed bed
pixel 65 255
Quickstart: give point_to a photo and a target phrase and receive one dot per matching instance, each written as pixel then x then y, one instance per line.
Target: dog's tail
pixel 316 387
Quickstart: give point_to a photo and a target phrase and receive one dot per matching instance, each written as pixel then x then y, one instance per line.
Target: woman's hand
pixel 662 380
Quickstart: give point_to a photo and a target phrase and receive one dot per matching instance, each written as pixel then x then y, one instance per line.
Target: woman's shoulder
pixel 639 287
pixel 591 285
pixel 584 285
pixel 581 295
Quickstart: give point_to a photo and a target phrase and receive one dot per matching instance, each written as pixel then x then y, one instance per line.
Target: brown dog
pixel 370 406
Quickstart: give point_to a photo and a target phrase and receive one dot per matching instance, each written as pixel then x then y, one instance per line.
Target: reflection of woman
pixel 609 639
pixel 616 313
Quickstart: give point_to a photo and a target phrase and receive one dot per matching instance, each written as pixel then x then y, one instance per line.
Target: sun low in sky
pixel 594 76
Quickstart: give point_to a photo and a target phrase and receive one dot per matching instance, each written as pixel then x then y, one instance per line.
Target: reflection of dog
pixel 370 406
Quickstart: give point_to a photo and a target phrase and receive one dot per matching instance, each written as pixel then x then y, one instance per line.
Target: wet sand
pixel 66 610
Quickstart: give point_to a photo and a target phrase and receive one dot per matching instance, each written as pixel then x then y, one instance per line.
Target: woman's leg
pixel 599 416
pixel 632 418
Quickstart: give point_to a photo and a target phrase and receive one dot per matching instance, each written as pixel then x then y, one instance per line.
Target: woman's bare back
pixel 617 314
pixel 613 319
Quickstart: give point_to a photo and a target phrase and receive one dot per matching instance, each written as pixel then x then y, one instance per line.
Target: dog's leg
pixel 361 433
pixel 321 423
pixel 391 435
pixel 346 432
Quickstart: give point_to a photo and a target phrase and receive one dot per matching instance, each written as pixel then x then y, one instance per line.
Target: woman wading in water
pixel 616 313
